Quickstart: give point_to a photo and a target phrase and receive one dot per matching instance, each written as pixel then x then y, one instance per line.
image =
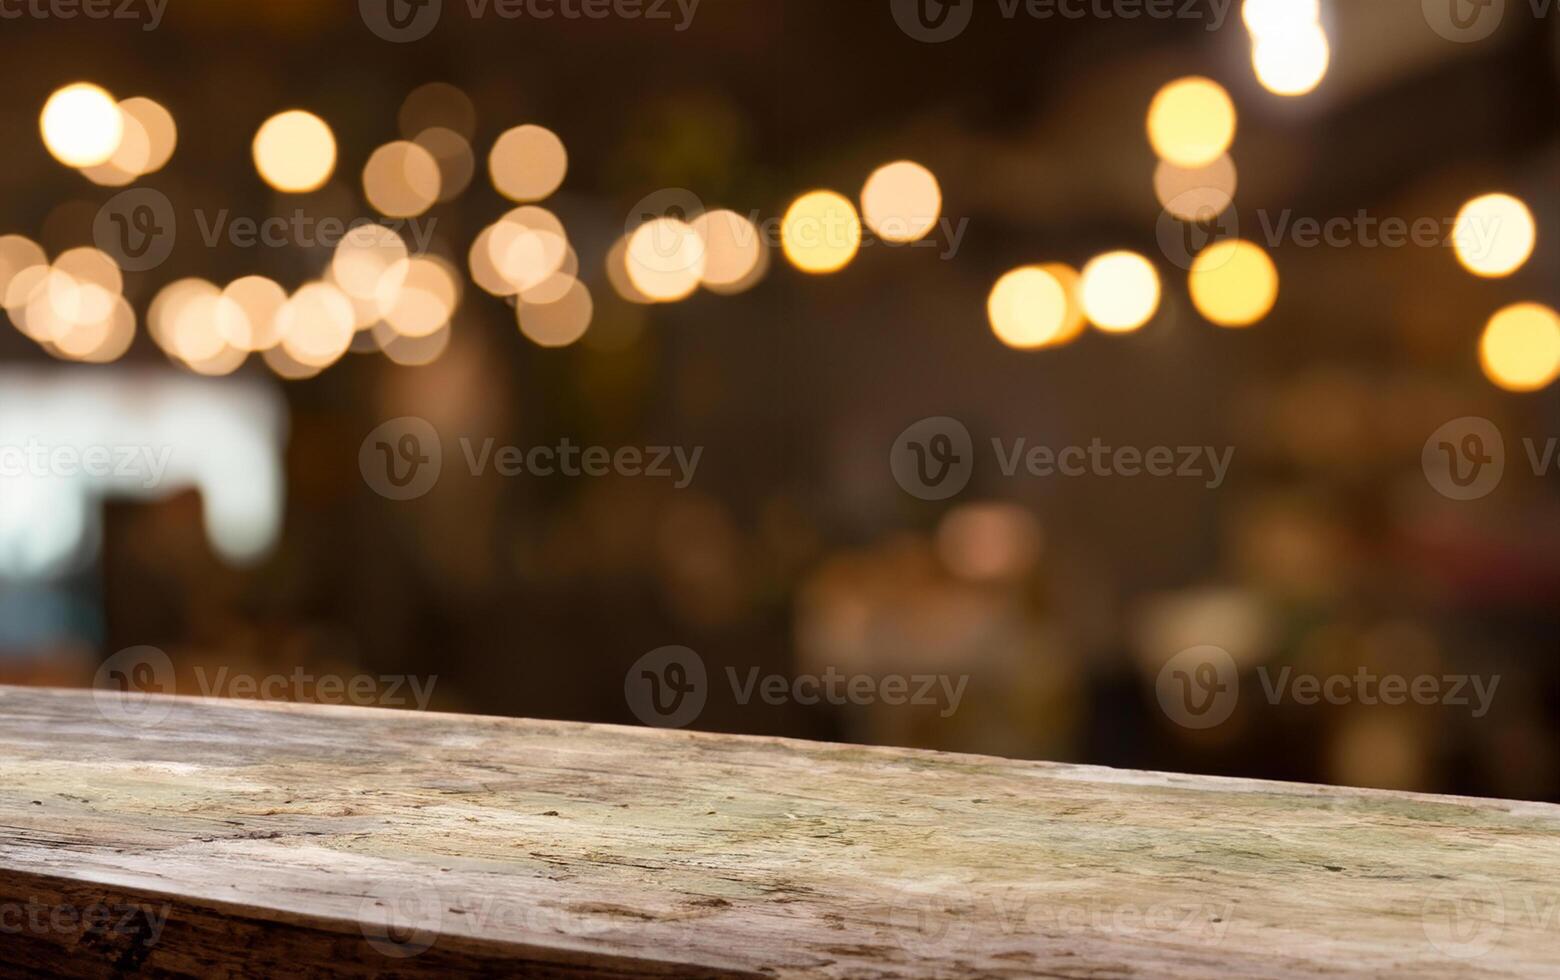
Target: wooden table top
pixel 190 836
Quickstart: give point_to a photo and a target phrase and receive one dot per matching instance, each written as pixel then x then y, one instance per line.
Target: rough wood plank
pixel 296 840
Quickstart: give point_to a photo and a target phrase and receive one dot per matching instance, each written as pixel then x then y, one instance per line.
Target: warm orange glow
pixel 1191 122
pixel 1120 291
pixel 821 233
pixel 295 151
pixel 1233 283
pixel 1520 349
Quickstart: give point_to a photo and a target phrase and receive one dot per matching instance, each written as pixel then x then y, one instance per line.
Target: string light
pixel 1520 348
pixel 295 151
pixel 528 163
pixel 735 256
pixel 1120 291
pixel 821 233
pixel 1494 235
pixel 1233 283
pixel 1191 122
pixel 901 202
pixel 1027 308
pixel 665 259
pixel 81 125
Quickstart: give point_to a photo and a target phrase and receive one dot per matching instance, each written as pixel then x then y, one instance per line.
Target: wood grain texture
pixel 263 839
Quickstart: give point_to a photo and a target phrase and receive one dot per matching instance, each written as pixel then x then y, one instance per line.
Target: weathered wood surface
pixel 253 839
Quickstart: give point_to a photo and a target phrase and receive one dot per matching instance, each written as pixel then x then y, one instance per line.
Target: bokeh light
pixel 316 324
pixel 1494 235
pixel 821 233
pixel 1191 122
pixel 295 151
pixel 437 104
pixel 185 321
pixel 425 300
pixel 1027 308
pixel 161 132
pixel 412 351
pixel 453 154
pixel 665 259
pixel 81 125
pixel 1269 18
pixel 901 202
pixel 1120 291
pixel 1196 193
pixel 1520 349
pixel 560 323
pixel 247 313
pixel 528 163
pixel 734 252
pixel 524 248
pixel 401 179
pixel 370 262
pixel 146 144
pixel 1292 62
pixel 989 542
pixel 1233 283
pixel 617 274
pixel 17 252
